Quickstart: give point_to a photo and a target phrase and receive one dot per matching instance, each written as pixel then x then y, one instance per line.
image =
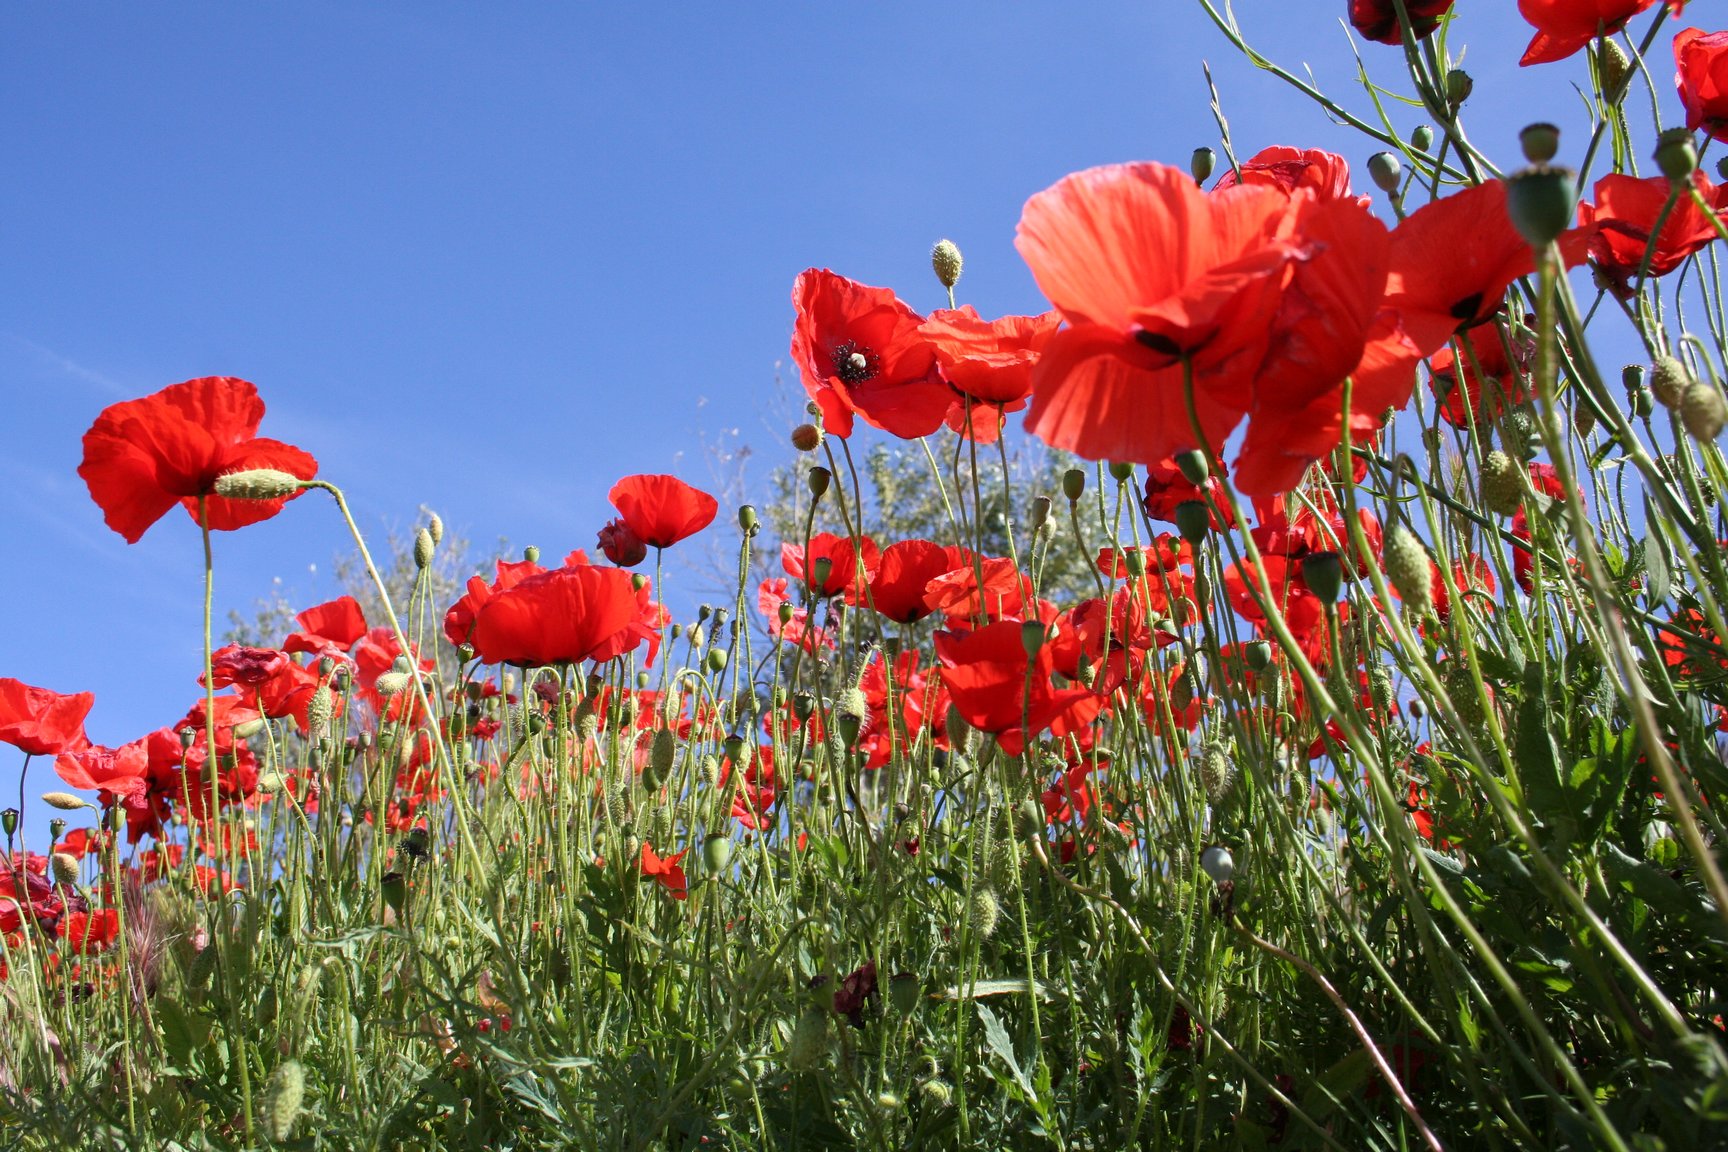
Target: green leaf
pixel 1658 565
pixel 996 1037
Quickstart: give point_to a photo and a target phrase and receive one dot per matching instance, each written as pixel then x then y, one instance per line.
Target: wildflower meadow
pixel 1273 697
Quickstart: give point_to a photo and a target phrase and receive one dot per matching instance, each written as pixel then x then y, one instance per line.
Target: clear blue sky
pixel 488 258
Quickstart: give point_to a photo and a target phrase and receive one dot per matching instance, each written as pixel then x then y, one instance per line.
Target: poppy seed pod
pixel 1040 513
pixel 1422 137
pixel 1324 575
pixel 531 554
pixel 903 992
pixel 1192 464
pixel 747 522
pixel 1385 169
pixel 1073 484
pixel 258 484
pixel 1643 402
pixel 1408 569
pixel 1676 154
pixel 806 438
pixel 1702 411
pixel 1121 471
pixel 1193 521
pixel 1541 142
pixel 946 262
pixel 1542 202
pixel 1201 164
pixel 717 853
pixel 716 659
pixel 55 827
pixel 1459 85
pixel 1032 637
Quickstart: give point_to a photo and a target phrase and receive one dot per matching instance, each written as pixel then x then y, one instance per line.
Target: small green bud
pixel 1217 772
pixel 983 912
pixel 65 868
pixel 258 484
pixel 1643 402
pixel 435 525
pixel 65 801
pixel 716 659
pixel 1408 569
pixel 1701 410
pixel 903 991
pixel 662 754
pixel 531 554
pixel 747 522
pixel 1121 471
pixel 1032 637
pixel 1201 163
pixel 284 1093
pixel 423 548
pixel 1259 656
pixel 1386 170
pixel 1612 68
pixel 946 262
pixel 1502 483
pixel 1039 513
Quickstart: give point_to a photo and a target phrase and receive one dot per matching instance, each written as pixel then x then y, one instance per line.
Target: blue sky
pixel 489 258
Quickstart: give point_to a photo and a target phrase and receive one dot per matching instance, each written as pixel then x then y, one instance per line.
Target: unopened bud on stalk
pixel 1542 202
pixel 65 869
pixel 423 547
pixel 1039 514
pixel 716 659
pixel 945 261
pixel 1643 402
pixel 983 912
pixel 258 484
pixel 1502 483
pixel 1407 569
pixel 1541 142
pixel 1201 163
pixel 1192 464
pixel 1386 170
pixel 661 754
pixel 818 479
pixel 1422 137
pixel 1193 521
pixel 65 801
pixel 1217 772
pixel 1676 154
pixel 717 853
pixel 821 570
pixel 1612 67
pixel 1073 484
pixel 1324 575
pixel 1702 411
pixel 393 683
pixel 435 525
pixel 1032 637
pixel 1458 87
pixel 747 522
pixel 806 437
pixel 284 1093
pixel 1669 381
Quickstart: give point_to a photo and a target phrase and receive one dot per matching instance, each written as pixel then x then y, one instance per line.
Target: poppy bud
pixel 1121 471
pixel 284 1093
pixel 1193 521
pixel 1542 202
pixel 1458 87
pixel 393 683
pixel 1201 163
pixel 717 853
pixel 1676 154
pixel 1135 561
pixel 531 554
pixel 258 484
pixel 983 912
pixel 1502 483
pixel 1407 568
pixel 1217 863
pixel 1217 772
pixel 1668 381
pixel 638 581
pixel 1385 169
pixel 1701 410
pixel 818 479
pixel 1541 142
pixel 1324 575
pixel 64 801
pixel 1612 67
pixel 716 659
pixel 747 522
pixel 1192 464
pixel 661 755
pixel 1040 513
pixel 1422 137
pixel 423 546
pixel 945 261
pixel 806 438
pixel 1032 636
pixel 939 1093
pixel 1073 484
pixel 65 869
pixel 435 526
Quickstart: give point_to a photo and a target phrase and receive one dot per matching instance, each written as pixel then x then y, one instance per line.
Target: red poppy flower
pixel 39 722
pixel 459 619
pixel 991 588
pixel 903 574
pixel 1377 20
pixel 793 626
pixel 248 667
pixel 662 510
pixel 1485 362
pixel 142 457
pixel 1326 174
pixel 328 629
pixel 997 688
pixel 1453 259
pixel 1166 487
pixel 1302 610
pixel 859 350
pixel 665 871
pixel 990 361
pixel 621 544
pixel 1625 211
pixel 564 617
pixel 119 771
pixel 87 933
pixel 846 566
pixel 1701 60
pixel 1565 26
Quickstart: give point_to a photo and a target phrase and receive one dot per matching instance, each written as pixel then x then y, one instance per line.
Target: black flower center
pixel 854 363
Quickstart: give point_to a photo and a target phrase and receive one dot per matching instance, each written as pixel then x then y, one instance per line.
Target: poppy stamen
pixel 854 364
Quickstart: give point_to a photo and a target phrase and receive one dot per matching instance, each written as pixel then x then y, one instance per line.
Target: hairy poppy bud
pixel 65 869
pixel 1612 67
pixel 1217 863
pixel 258 484
pixel 64 801
pixel 1407 568
pixel 1073 484
pixel 661 755
pixel 284 1093
pixel 809 1043
pixel 1324 575
pixel 1422 137
pixel 1193 521
pixel 1217 772
pixel 806 437
pixel 945 261
pixel 1385 169
pixel 1669 381
pixel 1701 410
pixel 1192 464
pixel 1201 163
pixel 423 546
pixel 1676 154
pixel 1502 483
pixel 393 683
pixel 983 912
pixel 1542 202
pixel 435 525
pixel 1541 142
